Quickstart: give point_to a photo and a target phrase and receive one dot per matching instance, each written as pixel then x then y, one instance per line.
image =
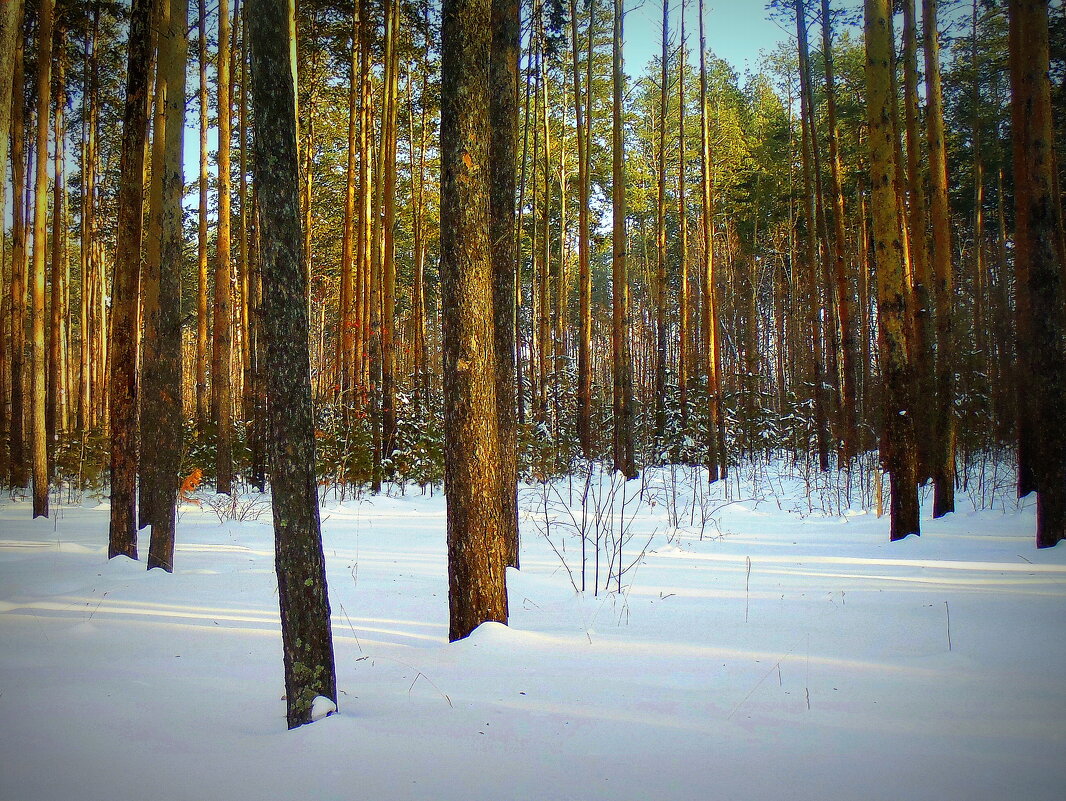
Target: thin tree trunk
pixel 660 242
pixel 388 261
pixel 19 470
pixel 222 352
pixel 584 352
pixel 624 460
pixel 202 311
pixel 715 439
pixel 682 224
pixel 845 329
pixel 813 299
pixel 56 388
pixel 345 351
pixel 503 122
pixel 41 447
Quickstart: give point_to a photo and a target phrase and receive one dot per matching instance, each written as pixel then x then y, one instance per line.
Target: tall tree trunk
pixel 345 349
pixel 682 224
pixel 898 446
pixel 477 536
pixel 944 448
pixel 584 346
pixel 222 353
pixel 19 470
pixel 161 415
pixel 126 288
pixel 1038 267
pixel 624 459
pixel 301 568
pixel 813 299
pixel 57 262
pixel 202 312
pixel 845 328
pixel 660 242
pixel 923 331
pixel 88 265
pixel 503 123
pixel 42 448
pixel 715 439
pixel 388 222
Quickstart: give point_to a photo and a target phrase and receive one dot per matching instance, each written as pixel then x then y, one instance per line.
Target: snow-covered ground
pixel 764 647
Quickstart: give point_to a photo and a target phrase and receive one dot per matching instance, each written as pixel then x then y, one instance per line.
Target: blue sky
pixel 736 31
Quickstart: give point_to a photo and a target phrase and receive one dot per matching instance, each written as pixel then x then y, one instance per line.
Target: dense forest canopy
pixel 754 313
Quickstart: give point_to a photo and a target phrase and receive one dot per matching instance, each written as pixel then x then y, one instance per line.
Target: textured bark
pixel 624 460
pixel 10 41
pixel 161 416
pixel 19 470
pixel 388 239
pixel 41 448
pixel 898 447
pixel 715 433
pixel 345 346
pixel 126 288
pixel 944 428
pixel 222 352
pixel 202 313
pixel 660 240
pixel 503 121
pixel 684 329
pixel 477 536
pixel 301 570
pixel 1039 223
pixel 58 267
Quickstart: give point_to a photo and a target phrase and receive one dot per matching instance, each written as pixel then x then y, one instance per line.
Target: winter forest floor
pixel 768 643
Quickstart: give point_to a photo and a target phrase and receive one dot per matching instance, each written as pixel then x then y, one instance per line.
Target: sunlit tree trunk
pixel 41 447
pixel 58 268
pixel 19 470
pixel 715 439
pixel 477 536
pixel 222 350
pixel 388 222
pixel 202 313
pixel 161 434
pixel 682 224
pixel 898 447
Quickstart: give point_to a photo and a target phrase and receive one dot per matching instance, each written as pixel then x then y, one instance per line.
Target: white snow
pixel 322 707
pixel 791 653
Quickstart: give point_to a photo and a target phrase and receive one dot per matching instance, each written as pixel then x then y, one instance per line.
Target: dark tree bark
pixel 300 564
pixel 943 465
pixel 624 459
pixel 126 290
pixel 477 536
pixel 1038 265
pixel 161 432
pixel 503 119
pixel 898 454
